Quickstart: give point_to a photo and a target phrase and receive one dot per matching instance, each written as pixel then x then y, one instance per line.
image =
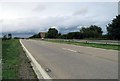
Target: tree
pixel 52 33
pixel 64 36
pixel 4 37
pixel 9 36
pixel 59 35
pixel 36 36
pixel 91 32
pixel 96 31
pixel 74 35
pixel 114 28
pixel 16 38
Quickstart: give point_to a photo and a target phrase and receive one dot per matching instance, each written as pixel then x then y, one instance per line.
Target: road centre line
pixel 69 49
pixel 0 60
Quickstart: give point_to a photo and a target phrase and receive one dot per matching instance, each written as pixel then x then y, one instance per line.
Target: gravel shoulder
pixel 25 69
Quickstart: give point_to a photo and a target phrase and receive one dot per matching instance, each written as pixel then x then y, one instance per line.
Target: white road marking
pixel 36 66
pixel 69 49
pixel 0 60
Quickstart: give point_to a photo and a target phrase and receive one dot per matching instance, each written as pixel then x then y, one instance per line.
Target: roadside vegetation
pixel 103 46
pixel 15 63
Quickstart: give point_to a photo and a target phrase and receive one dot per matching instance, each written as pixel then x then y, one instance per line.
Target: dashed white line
pixel 0 60
pixel 69 49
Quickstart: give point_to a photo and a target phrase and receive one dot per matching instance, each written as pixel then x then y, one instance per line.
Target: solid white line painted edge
pixel 36 66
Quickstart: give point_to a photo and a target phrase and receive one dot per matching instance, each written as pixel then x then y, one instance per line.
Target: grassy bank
pixel 10 55
pixel 15 63
pixel 103 46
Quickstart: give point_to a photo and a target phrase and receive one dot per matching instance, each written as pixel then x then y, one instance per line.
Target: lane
pixel 74 62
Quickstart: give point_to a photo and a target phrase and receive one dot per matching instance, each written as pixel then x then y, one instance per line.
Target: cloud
pixel 63 24
pixel 82 11
pixel 0 26
pixel 39 8
pixel 66 17
pixel 119 7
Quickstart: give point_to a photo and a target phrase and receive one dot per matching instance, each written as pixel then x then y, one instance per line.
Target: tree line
pixel 113 32
pixel 7 36
pixel 90 32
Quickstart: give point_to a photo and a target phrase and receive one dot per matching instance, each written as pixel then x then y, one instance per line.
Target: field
pixel 15 63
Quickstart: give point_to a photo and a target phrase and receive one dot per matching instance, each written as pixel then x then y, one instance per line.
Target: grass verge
pixel 15 63
pixel 103 46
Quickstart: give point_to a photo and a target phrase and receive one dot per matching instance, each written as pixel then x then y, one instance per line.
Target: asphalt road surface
pixel 74 62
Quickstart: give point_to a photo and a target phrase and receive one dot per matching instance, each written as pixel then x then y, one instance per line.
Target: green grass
pixel 15 65
pixel 103 46
pixel 10 55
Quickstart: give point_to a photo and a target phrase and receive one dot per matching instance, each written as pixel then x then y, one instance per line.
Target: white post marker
pixel 36 66
pixel 0 60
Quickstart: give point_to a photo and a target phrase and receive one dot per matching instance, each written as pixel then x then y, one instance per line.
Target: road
pixel 74 62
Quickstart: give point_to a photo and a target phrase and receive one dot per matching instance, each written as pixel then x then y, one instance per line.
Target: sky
pixel 27 18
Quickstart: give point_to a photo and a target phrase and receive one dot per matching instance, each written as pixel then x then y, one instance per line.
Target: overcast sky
pixel 33 17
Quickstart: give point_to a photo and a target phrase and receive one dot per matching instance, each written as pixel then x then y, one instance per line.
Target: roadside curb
pixel 40 72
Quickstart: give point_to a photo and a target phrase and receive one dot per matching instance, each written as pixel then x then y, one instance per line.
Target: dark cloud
pixel 65 30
